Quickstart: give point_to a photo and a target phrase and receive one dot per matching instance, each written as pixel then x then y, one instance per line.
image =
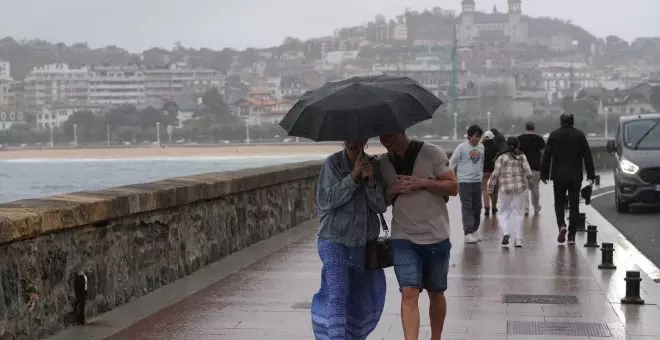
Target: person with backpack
pixel 491 150
pixel 419 179
pixel 513 176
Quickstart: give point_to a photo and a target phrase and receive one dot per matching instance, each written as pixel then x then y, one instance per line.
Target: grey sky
pixel 140 24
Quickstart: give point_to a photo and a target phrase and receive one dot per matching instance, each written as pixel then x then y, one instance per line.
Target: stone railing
pixel 134 239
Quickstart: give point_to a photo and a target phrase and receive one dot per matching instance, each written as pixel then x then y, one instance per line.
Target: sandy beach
pixel 173 151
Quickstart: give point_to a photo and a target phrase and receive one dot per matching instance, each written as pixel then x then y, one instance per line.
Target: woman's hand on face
pixel 358 167
pixel 368 174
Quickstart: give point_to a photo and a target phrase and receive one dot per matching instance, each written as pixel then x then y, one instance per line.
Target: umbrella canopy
pixel 360 107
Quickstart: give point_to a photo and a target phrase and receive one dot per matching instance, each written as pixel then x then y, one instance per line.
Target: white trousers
pixel 511 214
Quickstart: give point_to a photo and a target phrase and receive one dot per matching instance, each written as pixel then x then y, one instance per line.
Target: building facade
pixel 55 83
pixel 116 85
pixel 474 25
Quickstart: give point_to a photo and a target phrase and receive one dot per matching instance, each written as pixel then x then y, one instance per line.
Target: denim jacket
pixel 348 210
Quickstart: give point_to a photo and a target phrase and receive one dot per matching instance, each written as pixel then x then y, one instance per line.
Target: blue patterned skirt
pixel 351 299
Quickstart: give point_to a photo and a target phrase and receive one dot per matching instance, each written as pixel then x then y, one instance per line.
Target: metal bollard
pixel 633 280
pixel 607 256
pixel 597 180
pixel 580 222
pixel 592 240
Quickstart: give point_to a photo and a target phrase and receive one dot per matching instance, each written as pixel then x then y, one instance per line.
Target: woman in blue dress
pixel 350 302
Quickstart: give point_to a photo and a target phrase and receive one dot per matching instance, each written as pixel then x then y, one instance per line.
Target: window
pixel 634 130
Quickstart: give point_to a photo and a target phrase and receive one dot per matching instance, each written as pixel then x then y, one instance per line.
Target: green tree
pixel 217 107
pixel 150 116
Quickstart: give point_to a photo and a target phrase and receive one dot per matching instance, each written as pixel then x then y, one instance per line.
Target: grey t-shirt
pixel 420 217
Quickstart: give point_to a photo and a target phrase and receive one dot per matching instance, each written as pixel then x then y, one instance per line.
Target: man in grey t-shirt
pixel 420 225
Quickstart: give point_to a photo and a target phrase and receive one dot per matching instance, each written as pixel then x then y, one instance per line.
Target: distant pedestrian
pixel 532 146
pixel 567 149
pixel 513 177
pixel 468 161
pixel 491 150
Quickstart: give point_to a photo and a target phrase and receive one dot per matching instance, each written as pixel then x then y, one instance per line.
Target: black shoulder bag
pixel 378 252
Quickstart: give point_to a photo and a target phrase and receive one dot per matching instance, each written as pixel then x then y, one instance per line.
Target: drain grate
pixel 541 299
pixel 557 328
pixel 302 305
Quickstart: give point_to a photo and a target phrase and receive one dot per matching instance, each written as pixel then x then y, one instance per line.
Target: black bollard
pixel 581 222
pixel 633 280
pixel 80 290
pixel 592 240
pixel 597 180
pixel 607 256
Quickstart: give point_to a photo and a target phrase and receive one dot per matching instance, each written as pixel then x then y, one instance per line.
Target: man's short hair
pixel 475 129
pixel 529 126
pixel 567 119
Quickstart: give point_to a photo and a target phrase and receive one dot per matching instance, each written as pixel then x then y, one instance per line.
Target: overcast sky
pixel 139 24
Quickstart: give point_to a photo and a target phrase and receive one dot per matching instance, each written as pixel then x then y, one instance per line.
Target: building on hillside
pixel 179 78
pixel 509 26
pixel 57 114
pixel 55 83
pixel 5 69
pixel 186 107
pixel 262 110
pixel 633 100
pixel 116 85
pixel 9 118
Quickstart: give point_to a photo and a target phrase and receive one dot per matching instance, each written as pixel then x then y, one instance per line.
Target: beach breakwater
pixel 134 239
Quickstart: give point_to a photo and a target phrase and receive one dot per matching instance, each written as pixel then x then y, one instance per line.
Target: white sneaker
pixel 518 243
pixel 469 238
pixel 476 236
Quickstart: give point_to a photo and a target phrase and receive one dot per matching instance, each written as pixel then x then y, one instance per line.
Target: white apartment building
pixel 5 70
pixel 116 85
pixel 58 114
pixel 55 83
pixel 9 118
pixel 179 78
pixel 559 82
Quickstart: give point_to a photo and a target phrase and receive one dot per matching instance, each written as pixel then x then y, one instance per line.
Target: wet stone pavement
pixel 271 297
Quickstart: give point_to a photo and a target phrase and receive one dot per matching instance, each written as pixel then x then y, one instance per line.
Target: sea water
pixel 31 178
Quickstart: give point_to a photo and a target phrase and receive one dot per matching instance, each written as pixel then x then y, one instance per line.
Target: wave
pixel 160 159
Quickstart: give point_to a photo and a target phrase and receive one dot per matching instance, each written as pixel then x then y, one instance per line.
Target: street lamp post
pixel 247 132
pixel 75 135
pixel 158 134
pixel 107 134
pixel 52 143
pixel 488 116
pixel 455 125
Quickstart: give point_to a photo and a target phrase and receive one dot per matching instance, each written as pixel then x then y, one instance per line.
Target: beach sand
pixel 173 151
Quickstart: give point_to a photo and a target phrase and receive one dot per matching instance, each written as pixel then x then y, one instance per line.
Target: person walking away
pixel 351 298
pixel 468 161
pixel 418 180
pixel 490 153
pixel 566 151
pixel 500 140
pixel 532 146
pixel 513 176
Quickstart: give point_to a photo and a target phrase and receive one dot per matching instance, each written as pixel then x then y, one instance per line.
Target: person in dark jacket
pixel 567 155
pixel 490 153
pixel 532 146
pixel 500 140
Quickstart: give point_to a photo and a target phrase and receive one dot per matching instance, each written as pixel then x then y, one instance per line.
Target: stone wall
pixel 132 240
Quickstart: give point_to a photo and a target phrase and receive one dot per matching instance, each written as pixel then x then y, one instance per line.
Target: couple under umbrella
pixel 350 194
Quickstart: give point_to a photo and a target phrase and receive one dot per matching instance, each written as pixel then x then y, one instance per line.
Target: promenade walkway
pixel 269 298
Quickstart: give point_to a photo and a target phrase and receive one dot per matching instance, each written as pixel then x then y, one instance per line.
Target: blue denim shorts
pixel 423 266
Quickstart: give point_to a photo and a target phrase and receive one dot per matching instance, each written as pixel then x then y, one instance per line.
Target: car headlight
pixel 628 167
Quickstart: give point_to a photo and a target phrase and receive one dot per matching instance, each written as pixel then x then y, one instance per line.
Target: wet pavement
pixel 270 297
pixel 641 226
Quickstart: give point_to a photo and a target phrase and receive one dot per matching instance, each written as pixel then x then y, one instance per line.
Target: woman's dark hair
pixel 512 148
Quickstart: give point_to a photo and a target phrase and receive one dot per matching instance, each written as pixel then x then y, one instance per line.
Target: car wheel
pixel 621 207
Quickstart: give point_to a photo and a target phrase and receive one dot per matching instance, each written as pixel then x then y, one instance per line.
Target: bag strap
pixel 383 223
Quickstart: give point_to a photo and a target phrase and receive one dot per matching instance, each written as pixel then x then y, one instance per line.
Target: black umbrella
pixel 360 107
